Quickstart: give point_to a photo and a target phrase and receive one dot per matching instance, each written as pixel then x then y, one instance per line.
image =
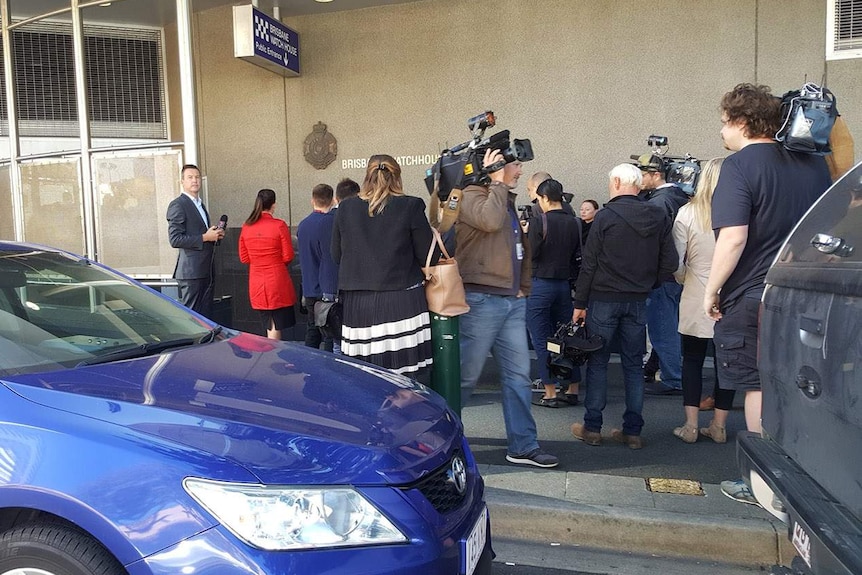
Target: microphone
pixel 222 224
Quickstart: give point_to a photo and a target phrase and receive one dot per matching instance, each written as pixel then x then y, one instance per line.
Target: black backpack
pixel 808 115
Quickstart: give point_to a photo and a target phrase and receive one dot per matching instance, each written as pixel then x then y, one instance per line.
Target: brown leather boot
pixel 589 437
pixel 633 441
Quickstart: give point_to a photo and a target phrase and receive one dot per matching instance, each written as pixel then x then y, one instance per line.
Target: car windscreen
pixel 58 311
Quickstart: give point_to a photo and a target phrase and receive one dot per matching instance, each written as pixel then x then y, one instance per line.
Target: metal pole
pixel 12 113
pixel 446 370
pixel 187 82
pixel 83 103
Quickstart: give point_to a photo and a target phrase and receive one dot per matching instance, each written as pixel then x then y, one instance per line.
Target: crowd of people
pixel 686 272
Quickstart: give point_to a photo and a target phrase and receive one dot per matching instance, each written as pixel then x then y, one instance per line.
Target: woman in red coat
pixel 264 244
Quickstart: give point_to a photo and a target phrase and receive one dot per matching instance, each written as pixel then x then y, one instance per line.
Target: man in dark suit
pixel 189 231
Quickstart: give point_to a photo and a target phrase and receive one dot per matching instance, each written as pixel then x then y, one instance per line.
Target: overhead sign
pixel 264 41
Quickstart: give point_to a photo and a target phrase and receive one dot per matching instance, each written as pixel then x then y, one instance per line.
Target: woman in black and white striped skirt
pixel 380 241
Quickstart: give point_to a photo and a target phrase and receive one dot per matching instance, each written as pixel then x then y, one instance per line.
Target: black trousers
pixel 197 294
pixel 313 336
pixel 693 355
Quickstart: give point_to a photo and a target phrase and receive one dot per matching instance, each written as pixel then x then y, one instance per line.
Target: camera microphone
pixel 222 224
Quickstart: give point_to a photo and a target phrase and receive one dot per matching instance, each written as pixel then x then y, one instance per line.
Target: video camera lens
pixel 520 150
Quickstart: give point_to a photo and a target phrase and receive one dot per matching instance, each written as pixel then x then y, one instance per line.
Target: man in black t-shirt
pixel 763 190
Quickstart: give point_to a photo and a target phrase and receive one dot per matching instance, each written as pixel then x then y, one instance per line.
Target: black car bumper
pixel 827 536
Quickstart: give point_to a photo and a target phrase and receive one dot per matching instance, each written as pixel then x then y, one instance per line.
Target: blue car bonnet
pixel 285 412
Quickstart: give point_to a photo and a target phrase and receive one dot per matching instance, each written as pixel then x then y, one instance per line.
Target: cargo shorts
pixel 735 340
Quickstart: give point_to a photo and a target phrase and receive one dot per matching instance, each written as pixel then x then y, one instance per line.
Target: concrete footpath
pixel 661 500
pixel 620 513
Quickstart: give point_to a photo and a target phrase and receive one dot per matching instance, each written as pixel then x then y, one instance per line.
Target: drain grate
pixel 675 486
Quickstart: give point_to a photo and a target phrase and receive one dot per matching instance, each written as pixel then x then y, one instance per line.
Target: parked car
pixel 137 437
pixel 806 466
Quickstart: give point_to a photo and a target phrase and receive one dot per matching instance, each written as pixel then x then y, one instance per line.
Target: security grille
pixel 844 29
pixel 124 82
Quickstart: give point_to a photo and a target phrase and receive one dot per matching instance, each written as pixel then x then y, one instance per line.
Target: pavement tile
pixel 541 482
pixel 608 490
pixel 721 504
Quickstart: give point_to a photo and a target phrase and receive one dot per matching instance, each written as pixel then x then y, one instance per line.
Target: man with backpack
pixel 762 192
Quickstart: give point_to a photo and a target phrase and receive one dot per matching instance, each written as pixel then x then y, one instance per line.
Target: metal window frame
pixel 834 50
pixel 101 128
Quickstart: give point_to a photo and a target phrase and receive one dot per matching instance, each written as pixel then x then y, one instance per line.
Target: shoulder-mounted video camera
pixel 680 170
pixel 461 165
pixel 569 347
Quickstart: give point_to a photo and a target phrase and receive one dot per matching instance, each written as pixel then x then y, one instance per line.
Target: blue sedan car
pixel 137 437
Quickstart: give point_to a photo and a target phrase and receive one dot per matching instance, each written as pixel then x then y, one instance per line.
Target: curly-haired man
pixel 762 192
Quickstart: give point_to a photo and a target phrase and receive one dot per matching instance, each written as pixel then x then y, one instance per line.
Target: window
pixel 57 311
pixel 824 251
pixel 843 29
pixel 124 82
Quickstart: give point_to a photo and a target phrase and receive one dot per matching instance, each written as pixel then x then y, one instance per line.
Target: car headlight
pixel 289 518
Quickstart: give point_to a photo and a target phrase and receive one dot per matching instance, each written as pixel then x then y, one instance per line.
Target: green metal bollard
pixel 446 370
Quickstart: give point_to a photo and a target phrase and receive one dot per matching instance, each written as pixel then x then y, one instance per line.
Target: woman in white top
pixel 695 243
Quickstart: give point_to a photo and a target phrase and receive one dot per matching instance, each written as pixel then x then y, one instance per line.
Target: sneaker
pixel 657 388
pixel 633 441
pixel 536 457
pixel 589 437
pixel 536 386
pixel 739 491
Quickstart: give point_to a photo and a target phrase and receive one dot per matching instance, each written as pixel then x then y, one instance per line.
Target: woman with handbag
pixel 555 245
pixel 380 241
pixel 264 244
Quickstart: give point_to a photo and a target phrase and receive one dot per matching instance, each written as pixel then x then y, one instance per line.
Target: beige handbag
pixel 443 286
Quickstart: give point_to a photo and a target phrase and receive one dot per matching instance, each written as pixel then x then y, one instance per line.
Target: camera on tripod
pixel 683 171
pixel 461 165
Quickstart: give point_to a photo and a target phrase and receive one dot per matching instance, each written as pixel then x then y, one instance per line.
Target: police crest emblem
pixel 320 147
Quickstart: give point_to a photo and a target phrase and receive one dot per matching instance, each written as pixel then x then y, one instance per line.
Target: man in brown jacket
pixel 495 266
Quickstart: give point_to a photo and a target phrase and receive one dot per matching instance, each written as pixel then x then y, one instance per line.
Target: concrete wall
pixel 586 80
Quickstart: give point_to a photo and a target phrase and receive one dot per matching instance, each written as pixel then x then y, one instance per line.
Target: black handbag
pixel 327 317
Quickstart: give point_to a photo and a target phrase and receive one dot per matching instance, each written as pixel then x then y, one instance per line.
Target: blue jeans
pixel 549 304
pixel 663 321
pixel 626 321
pixel 497 323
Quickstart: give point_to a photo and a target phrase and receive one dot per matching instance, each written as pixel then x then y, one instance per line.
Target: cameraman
pixel 663 302
pixel 495 266
pixel 555 247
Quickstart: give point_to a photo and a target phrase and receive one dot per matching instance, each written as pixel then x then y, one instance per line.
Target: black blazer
pixel 185 232
pixel 382 253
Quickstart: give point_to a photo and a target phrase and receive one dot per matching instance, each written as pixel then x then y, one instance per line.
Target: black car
pixel 806 466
